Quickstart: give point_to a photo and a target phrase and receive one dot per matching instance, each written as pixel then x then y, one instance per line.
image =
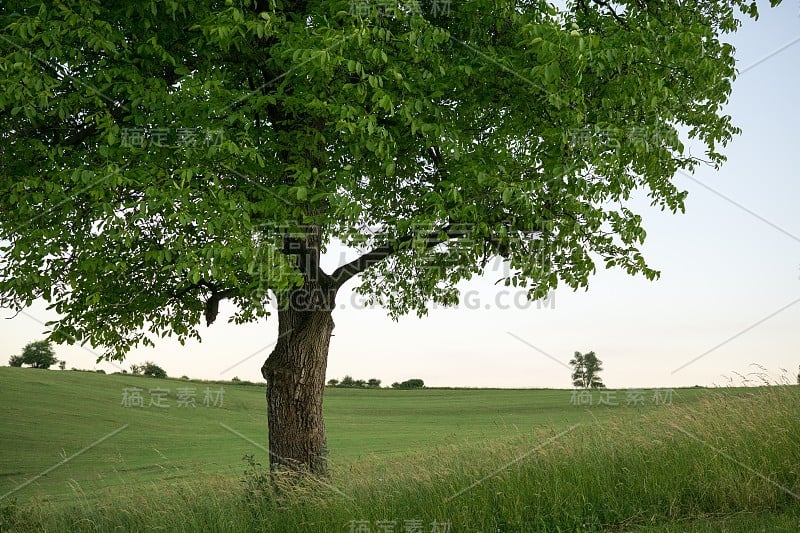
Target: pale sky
pixel 728 297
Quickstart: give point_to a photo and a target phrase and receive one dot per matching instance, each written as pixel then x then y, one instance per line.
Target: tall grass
pixel 722 457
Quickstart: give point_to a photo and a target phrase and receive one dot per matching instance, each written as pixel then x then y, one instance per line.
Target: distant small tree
pixel 333 383
pixel 16 360
pixel 62 365
pixel 136 370
pixel 38 354
pixel 374 383
pixel 798 375
pixel 153 370
pixel 409 384
pixel 347 381
pixel 586 368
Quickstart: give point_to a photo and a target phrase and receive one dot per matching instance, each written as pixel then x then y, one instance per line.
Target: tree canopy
pixel 586 371
pixel 37 354
pixel 154 154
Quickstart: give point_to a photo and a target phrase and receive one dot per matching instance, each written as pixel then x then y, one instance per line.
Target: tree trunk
pixel 295 374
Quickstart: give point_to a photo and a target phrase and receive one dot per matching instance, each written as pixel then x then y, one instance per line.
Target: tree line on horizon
pixel 40 354
pixel 348 382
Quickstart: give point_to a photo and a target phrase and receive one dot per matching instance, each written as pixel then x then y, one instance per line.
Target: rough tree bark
pixel 295 374
pixel 295 370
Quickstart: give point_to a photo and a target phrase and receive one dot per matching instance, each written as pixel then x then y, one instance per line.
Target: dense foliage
pixel 38 354
pixel 155 155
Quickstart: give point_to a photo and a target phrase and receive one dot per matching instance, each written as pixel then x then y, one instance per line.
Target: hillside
pixel 76 452
pixel 51 415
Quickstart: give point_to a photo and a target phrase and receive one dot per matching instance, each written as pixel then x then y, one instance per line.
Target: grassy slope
pixel 50 415
pixel 414 450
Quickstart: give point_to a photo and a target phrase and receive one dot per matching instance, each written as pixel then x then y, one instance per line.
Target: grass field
pixel 478 460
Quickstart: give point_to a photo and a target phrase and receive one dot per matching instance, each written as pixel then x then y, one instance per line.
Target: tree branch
pixel 608 6
pixel 212 304
pixel 342 274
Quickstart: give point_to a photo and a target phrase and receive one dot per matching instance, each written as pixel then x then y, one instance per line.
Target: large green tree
pixel 160 156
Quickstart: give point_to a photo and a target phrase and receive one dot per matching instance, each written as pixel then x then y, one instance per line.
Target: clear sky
pixel 728 297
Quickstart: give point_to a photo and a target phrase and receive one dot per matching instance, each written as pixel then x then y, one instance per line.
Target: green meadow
pixel 91 452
